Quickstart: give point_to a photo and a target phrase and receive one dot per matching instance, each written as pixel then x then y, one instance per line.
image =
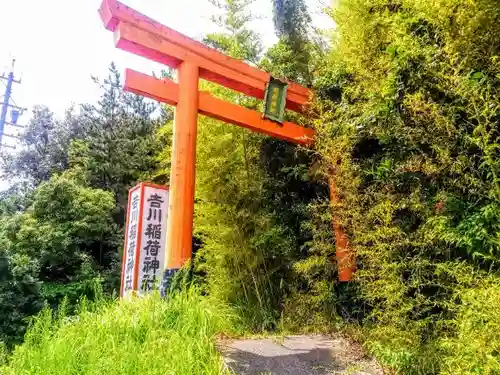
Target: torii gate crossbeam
pixel 141 35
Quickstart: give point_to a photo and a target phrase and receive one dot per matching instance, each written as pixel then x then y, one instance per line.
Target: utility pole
pixel 15 112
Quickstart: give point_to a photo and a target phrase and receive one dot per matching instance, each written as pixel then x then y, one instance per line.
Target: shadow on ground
pixel 297 355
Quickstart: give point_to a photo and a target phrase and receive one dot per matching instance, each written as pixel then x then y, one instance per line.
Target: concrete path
pixel 297 355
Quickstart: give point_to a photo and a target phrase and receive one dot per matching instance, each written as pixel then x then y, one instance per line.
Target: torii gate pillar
pixel 182 175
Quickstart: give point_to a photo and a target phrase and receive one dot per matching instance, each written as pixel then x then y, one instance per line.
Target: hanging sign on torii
pixel 143 36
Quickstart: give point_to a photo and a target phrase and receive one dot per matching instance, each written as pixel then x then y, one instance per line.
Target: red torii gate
pixel 143 36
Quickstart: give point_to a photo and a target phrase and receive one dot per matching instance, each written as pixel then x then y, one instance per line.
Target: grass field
pixel 143 336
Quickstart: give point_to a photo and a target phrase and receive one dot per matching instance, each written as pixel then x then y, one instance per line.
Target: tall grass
pixel 143 336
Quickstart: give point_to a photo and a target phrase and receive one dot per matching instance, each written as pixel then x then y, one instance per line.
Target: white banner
pixel 153 238
pixel 131 242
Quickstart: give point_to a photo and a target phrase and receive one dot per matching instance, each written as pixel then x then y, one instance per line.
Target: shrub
pixel 410 104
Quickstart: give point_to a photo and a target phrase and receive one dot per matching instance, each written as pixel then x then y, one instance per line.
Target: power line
pixel 15 112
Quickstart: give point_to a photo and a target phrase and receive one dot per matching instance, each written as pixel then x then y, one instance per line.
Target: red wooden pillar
pixel 346 261
pixel 182 174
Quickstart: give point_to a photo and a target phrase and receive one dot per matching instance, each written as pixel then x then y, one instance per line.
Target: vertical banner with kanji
pixel 145 238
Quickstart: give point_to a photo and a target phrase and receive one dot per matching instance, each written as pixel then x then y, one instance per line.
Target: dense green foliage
pixel 253 208
pixel 61 224
pixel 406 114
pixel 146 336
pixel 409 129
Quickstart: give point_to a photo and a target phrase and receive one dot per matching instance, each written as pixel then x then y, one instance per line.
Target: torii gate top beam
pixel 141 35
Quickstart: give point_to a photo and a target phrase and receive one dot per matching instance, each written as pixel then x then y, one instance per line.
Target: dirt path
pixel 297 355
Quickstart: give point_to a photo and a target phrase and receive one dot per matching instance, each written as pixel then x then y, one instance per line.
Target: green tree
pixel 292 57
pixel 118 146
pixel 62 220
pixel 291 19
pixel 229 182
pixel 235 38
pixel 113 140
pixel 14 199
pixel 69 233
pixel 249 230
pixel 20 295
pixel 295 193
pixel 43 148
